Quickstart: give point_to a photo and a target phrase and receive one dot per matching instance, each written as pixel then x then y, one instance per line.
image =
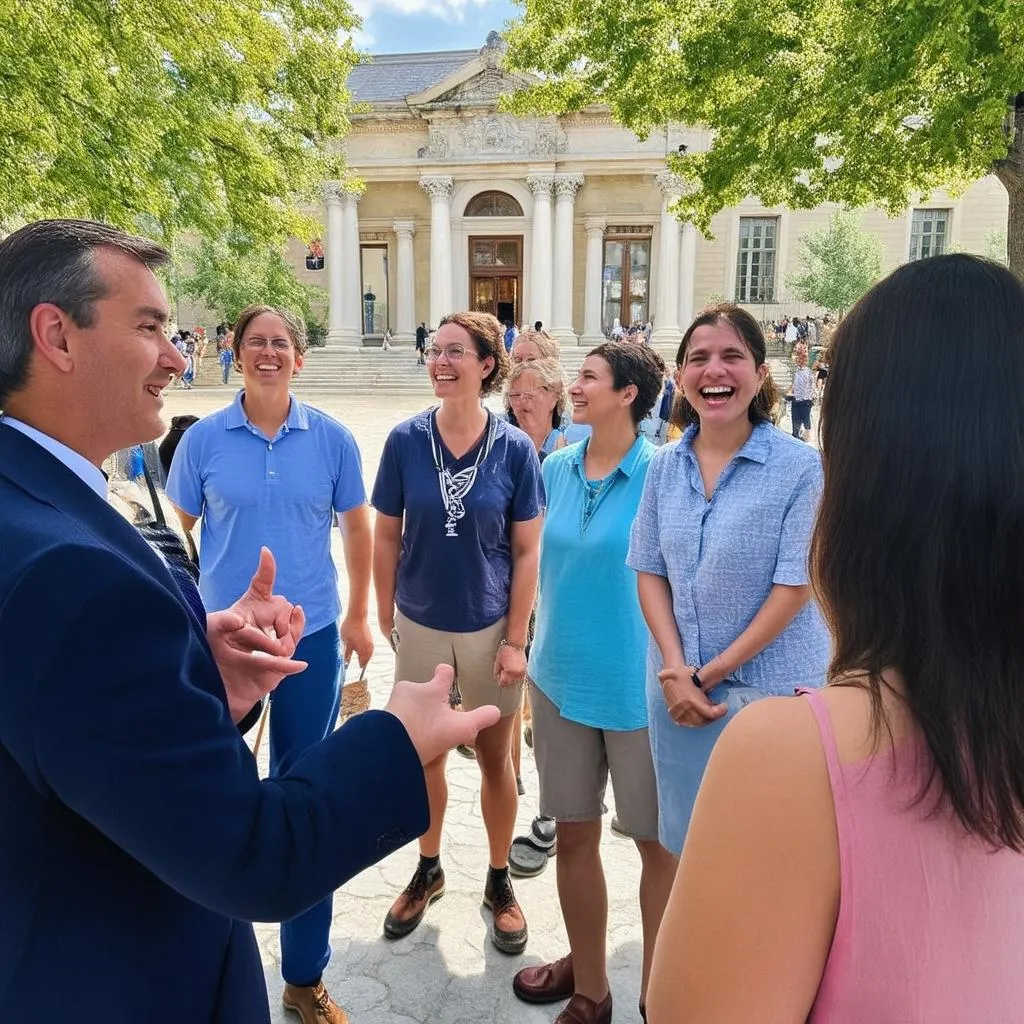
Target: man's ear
pixel 48 324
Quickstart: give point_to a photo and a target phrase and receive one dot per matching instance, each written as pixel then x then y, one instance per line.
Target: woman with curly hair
pixel 459 503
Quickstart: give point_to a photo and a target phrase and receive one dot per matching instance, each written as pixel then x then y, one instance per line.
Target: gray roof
pixel 393 76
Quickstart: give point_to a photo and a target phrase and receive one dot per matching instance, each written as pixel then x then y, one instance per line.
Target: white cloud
pixel 453 10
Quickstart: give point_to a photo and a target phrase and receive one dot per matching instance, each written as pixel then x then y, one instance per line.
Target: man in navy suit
pixel 138 841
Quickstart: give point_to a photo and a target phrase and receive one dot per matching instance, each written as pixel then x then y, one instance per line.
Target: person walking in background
pixel 886 810
pixel 271 470
pixel 720 548
pixel 459 504
pixel 587 677
pixel 226 359
pixel 803 394
pixel 421 342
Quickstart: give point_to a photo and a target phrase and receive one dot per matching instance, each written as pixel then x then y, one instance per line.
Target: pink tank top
pixel 931 923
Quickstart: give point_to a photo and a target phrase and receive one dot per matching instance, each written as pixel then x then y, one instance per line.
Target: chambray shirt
pixel 281 492
pixel 588 649
pixel 722 557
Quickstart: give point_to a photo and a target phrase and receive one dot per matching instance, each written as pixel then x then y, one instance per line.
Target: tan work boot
pixel 313 1004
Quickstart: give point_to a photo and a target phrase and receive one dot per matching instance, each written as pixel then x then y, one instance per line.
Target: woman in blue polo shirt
pixel 459 502
pixel 271 471
pixel 720 545
pixel 586 668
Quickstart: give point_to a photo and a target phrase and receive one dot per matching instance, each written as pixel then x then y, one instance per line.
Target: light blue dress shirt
pixel 281 492
pixel 588 648
pixel 78 464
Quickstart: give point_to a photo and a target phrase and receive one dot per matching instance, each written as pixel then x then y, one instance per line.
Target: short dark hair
pixel 634 365
pixel 489 339
pixel 294 325
pixel 917 553
pixel 52 261
pixel 763 408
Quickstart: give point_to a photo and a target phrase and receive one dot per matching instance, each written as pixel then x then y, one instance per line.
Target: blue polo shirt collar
pixel 234 415
pixel 756 449
pixel 627 466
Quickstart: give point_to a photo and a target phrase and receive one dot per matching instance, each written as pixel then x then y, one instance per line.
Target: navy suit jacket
pixel 136 839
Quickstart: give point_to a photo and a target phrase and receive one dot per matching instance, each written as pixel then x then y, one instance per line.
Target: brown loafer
pixel 582 1010
pixel 313 1004
pixel 545 983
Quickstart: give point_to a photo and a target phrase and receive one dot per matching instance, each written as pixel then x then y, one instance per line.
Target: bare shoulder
pixel 774 731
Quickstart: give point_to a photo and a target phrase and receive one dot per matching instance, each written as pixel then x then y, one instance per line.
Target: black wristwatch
pixel 695 679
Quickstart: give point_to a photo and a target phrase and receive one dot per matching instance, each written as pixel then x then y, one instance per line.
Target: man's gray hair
pixel 52 261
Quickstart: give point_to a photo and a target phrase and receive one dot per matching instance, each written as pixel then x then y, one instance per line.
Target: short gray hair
pixel 52 261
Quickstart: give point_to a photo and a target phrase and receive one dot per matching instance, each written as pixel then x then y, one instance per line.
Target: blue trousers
pixel 304 710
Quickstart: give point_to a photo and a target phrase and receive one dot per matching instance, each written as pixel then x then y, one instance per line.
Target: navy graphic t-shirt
pixel 460 583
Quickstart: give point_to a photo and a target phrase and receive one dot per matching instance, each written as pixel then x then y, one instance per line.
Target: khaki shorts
pixel 574 762
pixel 421 650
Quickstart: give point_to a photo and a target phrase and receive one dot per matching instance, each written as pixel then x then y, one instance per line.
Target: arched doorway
pixel 495 261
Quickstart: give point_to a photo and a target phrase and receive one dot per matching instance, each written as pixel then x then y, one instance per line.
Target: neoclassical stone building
pixel 563 220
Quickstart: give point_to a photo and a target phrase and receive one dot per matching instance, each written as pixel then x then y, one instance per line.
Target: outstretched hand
pixel 432 725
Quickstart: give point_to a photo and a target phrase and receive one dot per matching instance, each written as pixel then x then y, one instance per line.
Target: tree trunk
pixel 1011 173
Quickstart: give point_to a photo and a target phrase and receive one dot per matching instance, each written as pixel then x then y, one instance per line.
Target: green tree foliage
pixel 808 101
pixel 210 115
pixel 226 278
pixel 838 264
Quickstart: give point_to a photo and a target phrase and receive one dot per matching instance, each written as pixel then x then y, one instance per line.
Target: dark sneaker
pixel 407 911
pixel 509 933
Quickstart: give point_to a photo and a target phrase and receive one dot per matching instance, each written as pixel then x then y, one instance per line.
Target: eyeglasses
pixel 519 396
pixel 453 353
pixel 277 344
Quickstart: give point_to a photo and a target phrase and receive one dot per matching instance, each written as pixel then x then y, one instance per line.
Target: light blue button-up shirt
pixel 281 492
pixel 588 650
pixel 78 464
pixel 722 557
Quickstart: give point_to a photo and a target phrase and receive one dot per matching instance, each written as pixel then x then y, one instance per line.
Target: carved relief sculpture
pixel 437 186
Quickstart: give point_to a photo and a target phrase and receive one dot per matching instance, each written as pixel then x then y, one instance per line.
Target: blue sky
pixel 404 26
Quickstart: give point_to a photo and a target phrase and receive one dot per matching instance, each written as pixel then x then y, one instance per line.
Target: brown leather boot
pixel 407 911
pixel 313 1004
pixel 509 934
pixel 582 1010
pixel 546 983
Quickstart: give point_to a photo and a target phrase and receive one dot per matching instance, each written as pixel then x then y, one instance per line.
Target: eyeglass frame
pixel 438 352
pixel 279 345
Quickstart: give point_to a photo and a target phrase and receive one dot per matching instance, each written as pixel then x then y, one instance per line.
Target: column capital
pixel 567 185
pixel 540 184
pixel 438 186
pixel 595 225
pixel 674 185
pixel 333 192
pixel 404 227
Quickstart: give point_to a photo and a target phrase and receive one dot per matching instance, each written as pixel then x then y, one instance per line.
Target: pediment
pixel 478 84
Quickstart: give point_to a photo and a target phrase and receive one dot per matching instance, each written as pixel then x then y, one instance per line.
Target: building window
pixel 928 232
pixel 493 204
pixel 755 260
pixel 373 260
pixel 625 281
pixel 315 255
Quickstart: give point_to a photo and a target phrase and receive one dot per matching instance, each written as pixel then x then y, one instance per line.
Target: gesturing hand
pixel 687 704
pixel 432 725
pixel 253 641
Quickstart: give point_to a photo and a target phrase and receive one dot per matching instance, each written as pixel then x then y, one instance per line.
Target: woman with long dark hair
pixel 874 829
pixel 720 546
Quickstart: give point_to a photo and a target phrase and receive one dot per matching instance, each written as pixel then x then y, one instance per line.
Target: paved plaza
pixel 447 971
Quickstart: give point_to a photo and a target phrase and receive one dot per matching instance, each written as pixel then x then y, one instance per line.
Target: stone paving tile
pixel 447 971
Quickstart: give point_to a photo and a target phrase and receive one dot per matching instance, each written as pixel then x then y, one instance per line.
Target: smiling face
pixel 532 402
pixel 267 353
pixel 593 395
pixel 454 365
pixel 719 377
pixel 123 361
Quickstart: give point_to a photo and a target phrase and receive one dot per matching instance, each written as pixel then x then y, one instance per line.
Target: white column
pixel 351 297
pixel 666 308
pixel 405 314
pixel 566 187
pixel 592 333
pixel 334 261
pixel 687 268
pixel 540 252
pixel 439 188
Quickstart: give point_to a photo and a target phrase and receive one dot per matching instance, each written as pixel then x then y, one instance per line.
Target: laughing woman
pixel 720 546
pixel 459 504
